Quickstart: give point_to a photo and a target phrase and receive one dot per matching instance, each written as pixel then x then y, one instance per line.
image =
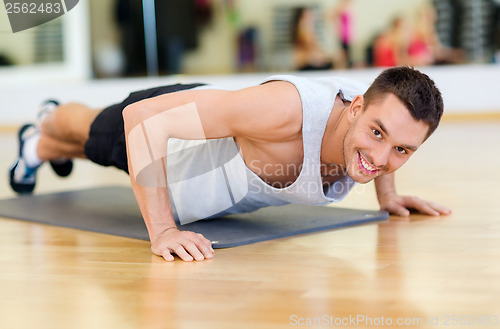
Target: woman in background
pixel 390 48
pixel 425 47
pixel 308 53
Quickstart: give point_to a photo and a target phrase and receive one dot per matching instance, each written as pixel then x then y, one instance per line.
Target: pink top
pixel 345 26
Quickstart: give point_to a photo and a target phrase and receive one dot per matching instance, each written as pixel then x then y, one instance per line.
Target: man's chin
pixel 361 178
pixel 363 181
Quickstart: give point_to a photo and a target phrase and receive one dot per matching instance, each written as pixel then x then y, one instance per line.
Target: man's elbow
pixel 133 115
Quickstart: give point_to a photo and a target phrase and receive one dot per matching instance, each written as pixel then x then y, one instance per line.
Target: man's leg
pixel 75 130
pixel 59 137
pixel 65 131
pixel 53 149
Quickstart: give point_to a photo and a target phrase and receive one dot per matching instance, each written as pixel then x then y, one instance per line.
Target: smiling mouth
pixel 366 166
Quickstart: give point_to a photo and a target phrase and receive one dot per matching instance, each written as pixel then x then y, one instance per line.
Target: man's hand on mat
pixel 400 205
pixel 187 245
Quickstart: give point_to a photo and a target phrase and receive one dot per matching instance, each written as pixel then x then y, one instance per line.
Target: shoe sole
pixel 19 187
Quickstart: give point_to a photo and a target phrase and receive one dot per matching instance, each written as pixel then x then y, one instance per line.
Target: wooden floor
pixel 421 272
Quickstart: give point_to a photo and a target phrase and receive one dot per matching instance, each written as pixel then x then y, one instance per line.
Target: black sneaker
pixel 61 167
pixel 22 177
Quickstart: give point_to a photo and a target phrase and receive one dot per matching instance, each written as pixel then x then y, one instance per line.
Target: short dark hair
pixel 414 89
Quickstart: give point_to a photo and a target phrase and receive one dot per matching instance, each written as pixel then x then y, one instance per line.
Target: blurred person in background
pixel 425 47
pixel 390 47
pixel 343 20
pixel 308 53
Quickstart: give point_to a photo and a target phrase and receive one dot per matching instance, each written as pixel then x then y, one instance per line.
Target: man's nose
pixel 380 155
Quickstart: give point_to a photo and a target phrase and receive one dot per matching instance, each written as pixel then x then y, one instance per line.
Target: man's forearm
pixel 385 185
pixel 155 207
pixel 153 199
pixel 148 175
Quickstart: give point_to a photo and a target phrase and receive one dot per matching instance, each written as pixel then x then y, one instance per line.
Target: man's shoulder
pixel 271 110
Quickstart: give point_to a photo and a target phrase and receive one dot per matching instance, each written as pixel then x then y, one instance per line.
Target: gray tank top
pixel 209 178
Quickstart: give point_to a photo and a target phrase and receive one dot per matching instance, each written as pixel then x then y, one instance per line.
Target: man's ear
pixel 355 108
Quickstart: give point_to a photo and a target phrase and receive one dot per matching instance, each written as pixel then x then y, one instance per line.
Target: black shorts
pixel 106 143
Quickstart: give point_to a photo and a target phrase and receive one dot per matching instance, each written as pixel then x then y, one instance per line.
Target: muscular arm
pixel 147 132
pixel 203 114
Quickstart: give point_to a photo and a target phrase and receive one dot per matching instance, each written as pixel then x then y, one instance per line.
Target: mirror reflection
pixel 228 36
pixel 41 44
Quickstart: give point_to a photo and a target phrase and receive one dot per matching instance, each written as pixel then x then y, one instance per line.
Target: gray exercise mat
pixel 113 210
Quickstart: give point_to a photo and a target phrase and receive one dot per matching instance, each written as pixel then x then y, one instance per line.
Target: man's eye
pixel 400 150
pixel 377 133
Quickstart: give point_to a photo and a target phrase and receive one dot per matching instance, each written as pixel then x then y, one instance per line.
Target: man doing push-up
pixel 195 152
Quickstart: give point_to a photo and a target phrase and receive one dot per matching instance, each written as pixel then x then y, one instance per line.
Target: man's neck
pixel 333 138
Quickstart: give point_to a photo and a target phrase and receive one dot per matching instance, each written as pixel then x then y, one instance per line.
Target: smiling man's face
pixel 381 138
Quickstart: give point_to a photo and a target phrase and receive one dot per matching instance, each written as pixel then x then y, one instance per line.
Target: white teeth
pixel 366 165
